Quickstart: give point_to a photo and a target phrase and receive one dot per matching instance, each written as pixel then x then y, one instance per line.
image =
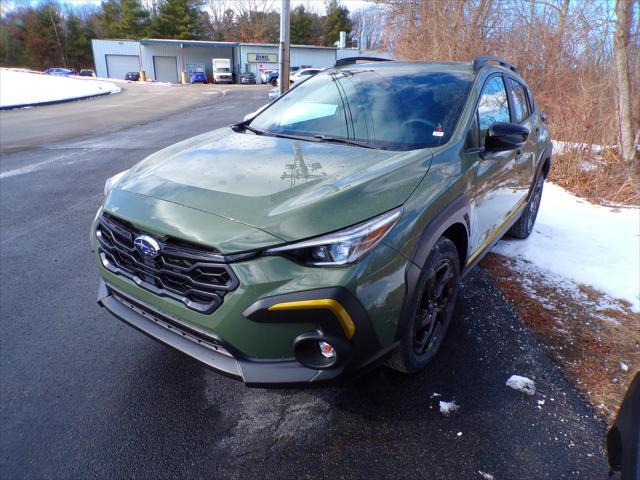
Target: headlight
pixel 111 182
pixel 343 247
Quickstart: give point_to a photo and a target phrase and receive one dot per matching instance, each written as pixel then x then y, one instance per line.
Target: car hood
pixel 288 188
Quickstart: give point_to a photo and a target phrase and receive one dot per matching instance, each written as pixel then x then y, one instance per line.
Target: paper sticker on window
pixel 438 132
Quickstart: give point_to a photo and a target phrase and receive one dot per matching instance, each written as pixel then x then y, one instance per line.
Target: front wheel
pixel 423 331
pixel 524 226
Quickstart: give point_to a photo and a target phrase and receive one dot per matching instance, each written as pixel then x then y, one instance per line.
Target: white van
pixel 222 70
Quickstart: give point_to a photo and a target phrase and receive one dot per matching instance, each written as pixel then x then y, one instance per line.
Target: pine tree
pixel 301 26
pixel 78 42
pixel 180 19
pixel 134 21
pixel 109 17
pixel 337 21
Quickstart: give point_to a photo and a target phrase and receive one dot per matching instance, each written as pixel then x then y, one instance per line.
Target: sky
pixel 316 6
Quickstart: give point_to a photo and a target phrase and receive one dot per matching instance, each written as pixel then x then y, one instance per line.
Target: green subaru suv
pixel 327 234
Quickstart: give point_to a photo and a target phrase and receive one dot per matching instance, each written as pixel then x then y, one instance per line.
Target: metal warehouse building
pixel 164 60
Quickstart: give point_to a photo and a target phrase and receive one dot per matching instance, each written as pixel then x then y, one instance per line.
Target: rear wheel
pixel 422 332
pixel 274 83
pixel 524 226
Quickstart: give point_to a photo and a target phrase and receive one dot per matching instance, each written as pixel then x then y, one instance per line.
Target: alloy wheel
pixel 434 307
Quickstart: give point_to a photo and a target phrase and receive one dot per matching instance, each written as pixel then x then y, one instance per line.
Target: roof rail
pixel 352 60
pixel 480 62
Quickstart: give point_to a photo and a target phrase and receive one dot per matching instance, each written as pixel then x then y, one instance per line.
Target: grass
pixel 599 176
pixel 592 337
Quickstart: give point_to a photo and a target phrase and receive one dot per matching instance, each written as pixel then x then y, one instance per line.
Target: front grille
pixel 184 271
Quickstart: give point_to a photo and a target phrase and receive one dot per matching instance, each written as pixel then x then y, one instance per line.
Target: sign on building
pixel 262 57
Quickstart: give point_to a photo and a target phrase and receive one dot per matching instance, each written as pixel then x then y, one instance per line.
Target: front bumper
pixel 357 352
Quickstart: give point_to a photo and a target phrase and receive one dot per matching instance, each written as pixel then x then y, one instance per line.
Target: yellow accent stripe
pixel 323 304
pixel 517 209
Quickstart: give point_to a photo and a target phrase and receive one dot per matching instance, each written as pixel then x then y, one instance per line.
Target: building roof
pixel 202 43
pixel 212 43
pixel 292 46
pixel 205 43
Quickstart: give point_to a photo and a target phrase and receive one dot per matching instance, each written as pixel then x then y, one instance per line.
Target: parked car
pixel 198 77
pixel 623 437
pixel 264 74
pixel 65 72
pixel 302 74
pixel 248 78
pixel 272 78
pixel 87 72
pixel 339 243
pixel 132 76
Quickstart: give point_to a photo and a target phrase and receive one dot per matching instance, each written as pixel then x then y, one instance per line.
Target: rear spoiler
pixel 353 60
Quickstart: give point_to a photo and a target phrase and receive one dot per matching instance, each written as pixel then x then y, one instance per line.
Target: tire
pixel 524 226
pixel 423 329
pixel 274 83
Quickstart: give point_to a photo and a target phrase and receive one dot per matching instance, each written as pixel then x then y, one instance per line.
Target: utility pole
pixel 285 39
pixel 55 30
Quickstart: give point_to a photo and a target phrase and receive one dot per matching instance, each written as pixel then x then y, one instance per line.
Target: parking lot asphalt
pixel 84 396
pixel 137 104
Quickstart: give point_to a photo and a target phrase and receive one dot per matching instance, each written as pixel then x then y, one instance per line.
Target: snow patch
pixel 522 384
pixel 24 88
pixel 447 408
pixel 584 244
pixel 486 476
pixel 560 147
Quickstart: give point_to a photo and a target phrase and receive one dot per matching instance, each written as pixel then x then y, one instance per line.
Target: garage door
pixel 118 65
pixel 166 69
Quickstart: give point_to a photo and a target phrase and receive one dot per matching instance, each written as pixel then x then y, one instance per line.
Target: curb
pixel 53 102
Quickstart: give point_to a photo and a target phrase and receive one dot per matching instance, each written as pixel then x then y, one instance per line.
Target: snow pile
pixel 24 88
pixel 448 407
pixel 585 243
pixel 522 384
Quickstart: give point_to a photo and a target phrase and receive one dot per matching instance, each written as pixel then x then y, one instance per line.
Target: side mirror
pixel 503 136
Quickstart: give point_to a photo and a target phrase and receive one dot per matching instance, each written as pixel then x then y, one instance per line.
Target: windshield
pixel 222 70
pixel 391 108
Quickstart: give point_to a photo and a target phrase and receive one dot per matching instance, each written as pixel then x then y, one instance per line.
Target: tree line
pixel 580 57
pixel 50 34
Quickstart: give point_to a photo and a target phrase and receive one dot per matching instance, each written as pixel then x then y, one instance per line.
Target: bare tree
pixel 621 49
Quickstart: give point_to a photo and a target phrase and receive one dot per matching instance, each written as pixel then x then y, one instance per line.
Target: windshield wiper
pixel 325 138
pixel 244 125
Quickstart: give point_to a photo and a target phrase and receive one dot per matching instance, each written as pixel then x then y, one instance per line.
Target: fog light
pixel 327 350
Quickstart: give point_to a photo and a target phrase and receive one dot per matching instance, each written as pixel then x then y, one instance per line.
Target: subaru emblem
pixel 147 246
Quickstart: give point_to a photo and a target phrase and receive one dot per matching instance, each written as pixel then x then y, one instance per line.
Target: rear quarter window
pixel 520 101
